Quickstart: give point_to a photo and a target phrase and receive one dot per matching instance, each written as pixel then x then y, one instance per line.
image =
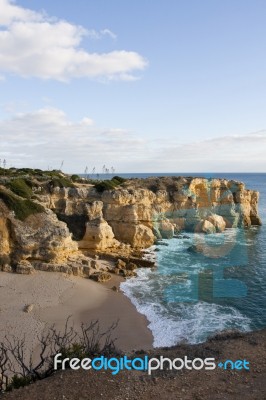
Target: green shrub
pixel 5 172
pixel 61 182
pixel 38 171
pixel 105 185
pixel 75 350
pixel 18 381
pixel 18 370
pixel 21 208
pixel 115 182
pixel 24 171
pixel 118 179
pixel 75 178
pixel 20 187
pixel 109 184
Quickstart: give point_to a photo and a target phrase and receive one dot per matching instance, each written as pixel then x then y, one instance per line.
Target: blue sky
pixel 150 86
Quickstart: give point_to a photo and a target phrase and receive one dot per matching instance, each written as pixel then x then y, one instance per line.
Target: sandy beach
pixel 55 296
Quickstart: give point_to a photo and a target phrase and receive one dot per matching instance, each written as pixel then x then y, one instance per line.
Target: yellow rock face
pixel 144 209
pixel 125 218
pixel 4 237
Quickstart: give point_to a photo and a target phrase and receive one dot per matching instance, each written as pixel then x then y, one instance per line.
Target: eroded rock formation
pixel 157 208
pixel 120 220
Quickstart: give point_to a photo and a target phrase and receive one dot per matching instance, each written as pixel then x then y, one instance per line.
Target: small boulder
pixel 217 221
pixel 116 271
pixel 87 271
pixel 28 308
pixel 7 268
pixel 127 274
pixel 66 269
pixel 95 264
pixel 166 229
pixel 24 267
pixel 195 249
pixel 76 270
pixel 205 226
pixel 121 264
pixel 86 261
pixel 131 266
pixel 101 276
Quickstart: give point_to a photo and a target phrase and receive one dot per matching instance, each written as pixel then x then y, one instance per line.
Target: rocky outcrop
pixel 119 221
pixel 98 236
pixel 101 276
pixel 4 236
pixel 217 221
pixel 24 267
pixel 156 208
pixel 41 237
pixel 205 226
pixel 41 242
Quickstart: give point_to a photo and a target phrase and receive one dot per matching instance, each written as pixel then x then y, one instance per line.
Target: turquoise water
pixel 191 296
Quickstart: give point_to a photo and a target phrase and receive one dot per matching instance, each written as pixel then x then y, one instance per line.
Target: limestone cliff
pixel 120 221
pixel 143 210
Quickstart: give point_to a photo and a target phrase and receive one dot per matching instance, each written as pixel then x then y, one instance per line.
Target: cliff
pixel 51 222
pixel 143 210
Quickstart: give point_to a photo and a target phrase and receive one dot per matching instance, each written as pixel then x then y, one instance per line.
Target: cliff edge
pixel 52 221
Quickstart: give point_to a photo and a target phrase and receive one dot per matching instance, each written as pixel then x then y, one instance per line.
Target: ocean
pixel 191 296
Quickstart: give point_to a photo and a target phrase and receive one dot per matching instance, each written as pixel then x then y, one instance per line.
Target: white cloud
pixel 86 121
pixel 48 136
pixel 10 13
pixel 99 35
pixel 34 45
pixel 108 33
pixel 223 154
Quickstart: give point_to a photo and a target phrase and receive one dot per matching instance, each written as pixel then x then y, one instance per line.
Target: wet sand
pixel 132 332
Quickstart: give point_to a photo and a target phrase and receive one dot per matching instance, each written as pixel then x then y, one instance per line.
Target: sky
pixel 140 86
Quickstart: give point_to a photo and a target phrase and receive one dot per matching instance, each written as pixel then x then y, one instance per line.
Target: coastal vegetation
pixel 18 368
pixel 22 208
pixel 80 222
pixel 113 216
pixel 19 188
pixel 22 180
pixel 109 184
